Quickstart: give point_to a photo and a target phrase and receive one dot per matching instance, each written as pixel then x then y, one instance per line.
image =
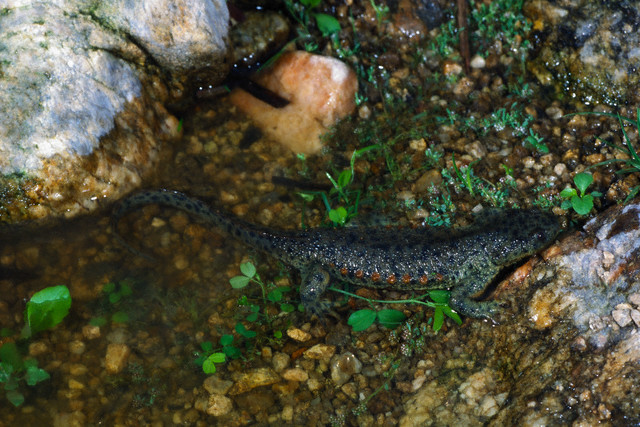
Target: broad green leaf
pixel 327 24
pixel 438 319
pixel 15 397
pixel 218 357
pixel 98 321
pixel 109 287
pixel 287 308
pixel 310 3
pixel 232 352
pixel 248 269
pixel 206 346
pixel 452 314
pixel 239 282
pixel 582 205
pixel 226 339
pixel 35 375
pixel 120 317
pixel 242 330
pixel 275 295
pixel 391 318
pixel 568 193
pixel 10 356
pixel 361 319
pixel 439 296
pixel 208 366
pixel 339 215
pixel 583 180
pixel 47 308
pixel 252 317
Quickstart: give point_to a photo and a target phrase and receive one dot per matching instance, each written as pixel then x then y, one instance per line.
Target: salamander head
pixel 520 233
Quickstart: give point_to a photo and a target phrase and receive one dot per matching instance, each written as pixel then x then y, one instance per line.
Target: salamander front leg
pixel 315 281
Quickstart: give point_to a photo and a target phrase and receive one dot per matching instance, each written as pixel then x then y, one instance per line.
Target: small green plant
pixel 465 178
pixel 581 202
pixel 208 358
pixel 633 162
pixel 301 11
pixel 46 309
pixel 258 313
pixel 115 294
pixel 390 318
pixel 341 194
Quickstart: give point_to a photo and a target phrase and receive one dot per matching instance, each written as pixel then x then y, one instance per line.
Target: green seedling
pixel 208 358
pixel 46 309
pixel 115 294
pixel 581 202
pixel 464 177
pixel 633 162
pixel 439 301
pixel 348 200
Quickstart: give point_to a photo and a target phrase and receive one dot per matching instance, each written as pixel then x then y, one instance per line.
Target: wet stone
pixel 295 374
pixel 343 367
pixel 91 332
pixel 298 335
pixel 116 358
pixel 280 361
pixel 219 405
pixel 254 378
pixel 215 385
pixel 320 352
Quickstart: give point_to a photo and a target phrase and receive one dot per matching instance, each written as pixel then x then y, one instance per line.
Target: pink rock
pixel 320 89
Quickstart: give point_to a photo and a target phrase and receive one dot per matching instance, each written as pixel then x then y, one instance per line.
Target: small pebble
pixel 478 62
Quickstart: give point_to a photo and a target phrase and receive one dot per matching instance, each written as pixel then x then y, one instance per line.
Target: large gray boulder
pixel 83 87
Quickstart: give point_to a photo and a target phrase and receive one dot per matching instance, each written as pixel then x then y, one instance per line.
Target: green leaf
pixel 218 357
pixel 391 318
pixel 438 319
pixel 440 296
pixel 582 205
pixel 239 282
pixel 120 317
pixel 252 317
pixel 248 269
pixel 568 193
pixel 47 308
pixel 206 346
pixel 327 24
pixel 35 375
pixel 362 319
pixel 10 356
pixel 307 197
pixel 232 352
pixel 452 314
pixel 310 3
pixel 226 339
pixel 287 308
pixel 344 179
pixel 98 321
pixel 277 334
pixel 240 329
pixel 208 366
pixel 114 297
pixel 125 290
pixel 5 372
pixel 109 287
pixel 338 216
pixel 275 295
pixel 15 397
pixel 583 180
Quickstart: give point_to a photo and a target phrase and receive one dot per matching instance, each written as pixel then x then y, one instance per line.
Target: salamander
pixel 463 260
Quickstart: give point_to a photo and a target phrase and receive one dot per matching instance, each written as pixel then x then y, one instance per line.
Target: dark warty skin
pixel 463 260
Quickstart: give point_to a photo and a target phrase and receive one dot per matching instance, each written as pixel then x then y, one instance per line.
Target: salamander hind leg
pixel 462 297
pixel 315 281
